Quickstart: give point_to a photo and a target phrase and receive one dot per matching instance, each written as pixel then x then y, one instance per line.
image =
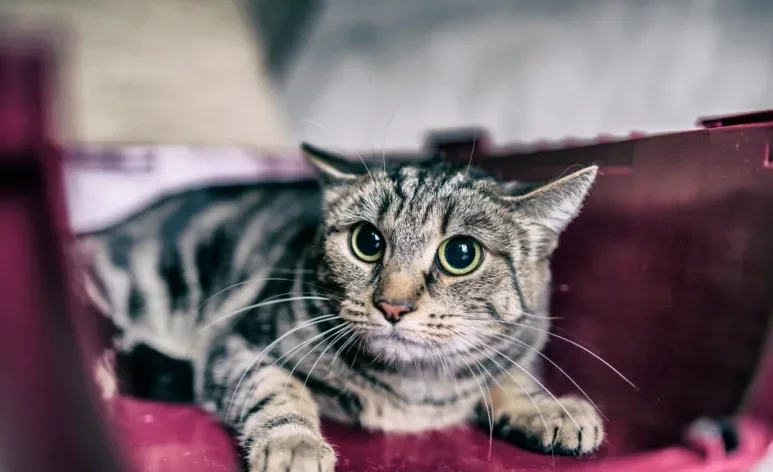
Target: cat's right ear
pixel 333 169
pixel 335 173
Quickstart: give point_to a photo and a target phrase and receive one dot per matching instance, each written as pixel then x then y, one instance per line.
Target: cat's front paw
pixel 574 429
pixel 292 453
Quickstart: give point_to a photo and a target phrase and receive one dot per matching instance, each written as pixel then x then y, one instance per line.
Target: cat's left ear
pixel 333 169
pixel 554 205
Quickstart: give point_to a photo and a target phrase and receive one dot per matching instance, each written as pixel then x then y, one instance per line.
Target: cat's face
pixel 426 258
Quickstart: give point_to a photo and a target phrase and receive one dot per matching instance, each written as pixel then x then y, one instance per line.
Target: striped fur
pixel 257 287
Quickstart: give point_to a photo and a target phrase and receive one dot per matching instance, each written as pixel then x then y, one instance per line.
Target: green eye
pixel 367 243
pixel 459 255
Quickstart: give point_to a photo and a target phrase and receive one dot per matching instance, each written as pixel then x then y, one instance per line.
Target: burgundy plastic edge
pixel 749 118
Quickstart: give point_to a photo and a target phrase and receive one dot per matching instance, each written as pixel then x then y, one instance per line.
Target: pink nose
pixel 393 312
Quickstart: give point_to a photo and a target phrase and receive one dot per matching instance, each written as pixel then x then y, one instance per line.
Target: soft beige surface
pixel 153 71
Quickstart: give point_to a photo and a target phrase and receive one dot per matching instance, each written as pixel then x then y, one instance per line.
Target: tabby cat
pixel 401 299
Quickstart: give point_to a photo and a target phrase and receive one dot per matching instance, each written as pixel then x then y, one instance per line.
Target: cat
pixel 402 298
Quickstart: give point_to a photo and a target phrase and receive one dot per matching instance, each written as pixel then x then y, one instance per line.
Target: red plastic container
pixel 50 413
pixel 666 274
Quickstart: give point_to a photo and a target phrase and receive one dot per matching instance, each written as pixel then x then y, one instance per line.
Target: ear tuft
pixel 557 203
pixel 331 166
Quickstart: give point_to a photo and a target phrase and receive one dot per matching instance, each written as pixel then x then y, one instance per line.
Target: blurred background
pixel 368 74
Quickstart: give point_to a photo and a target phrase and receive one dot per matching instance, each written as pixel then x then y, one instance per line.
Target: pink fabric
pixel 166 438
pixel 169 438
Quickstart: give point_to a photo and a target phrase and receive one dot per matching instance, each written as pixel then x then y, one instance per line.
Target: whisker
pixel 363 162
pixel 306 120
pixel 474 142
pixel 489 409
pixel 541 317
pixel 343 346
pixel 479 367
pixel 327 334
pixel 265 279
pixel 451 372
pixel 517 382
pixel 304 343
pixel 383 142
pixel 331 343
pixel 474 136
pixel 418 367
pixel 587 397
pixel 491 403
pixel 280 295
pixel 317 292
pixel 224 290
pixel 541 385
pixel 359 346
pixel 444 363
pixel 284 270
pixel 518 315
pixel 295 348
pixel 306 324
pixel 258 305
pixel 607 364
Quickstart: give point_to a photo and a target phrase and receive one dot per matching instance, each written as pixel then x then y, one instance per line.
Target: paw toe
pixel 292 455
pixel 574 429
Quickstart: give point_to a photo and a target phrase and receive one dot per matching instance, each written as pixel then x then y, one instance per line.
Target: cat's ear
pixel 332 168
pixel 553 205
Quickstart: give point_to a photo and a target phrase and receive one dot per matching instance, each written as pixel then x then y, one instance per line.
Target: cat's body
pixel 265 290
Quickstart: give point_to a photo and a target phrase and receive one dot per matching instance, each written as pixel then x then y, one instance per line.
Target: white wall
pixel 526 70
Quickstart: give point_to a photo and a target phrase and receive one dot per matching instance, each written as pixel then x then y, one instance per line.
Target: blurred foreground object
pixel 160 71
pixel 50 411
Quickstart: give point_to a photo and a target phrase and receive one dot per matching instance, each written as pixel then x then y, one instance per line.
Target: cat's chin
pixel 399 348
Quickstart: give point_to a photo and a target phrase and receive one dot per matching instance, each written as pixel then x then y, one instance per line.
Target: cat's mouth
pixel 398 344
pixel 394 335
pixel 398 347
pixel 402 337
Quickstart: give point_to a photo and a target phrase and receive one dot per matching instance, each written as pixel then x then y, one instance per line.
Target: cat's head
pixel 428 259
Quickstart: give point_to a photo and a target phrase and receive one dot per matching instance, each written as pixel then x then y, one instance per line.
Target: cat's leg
pixel 274 416
pixel 528 416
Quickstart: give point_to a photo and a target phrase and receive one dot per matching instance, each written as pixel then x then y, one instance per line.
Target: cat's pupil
pixel 369 241
pixel 460 252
